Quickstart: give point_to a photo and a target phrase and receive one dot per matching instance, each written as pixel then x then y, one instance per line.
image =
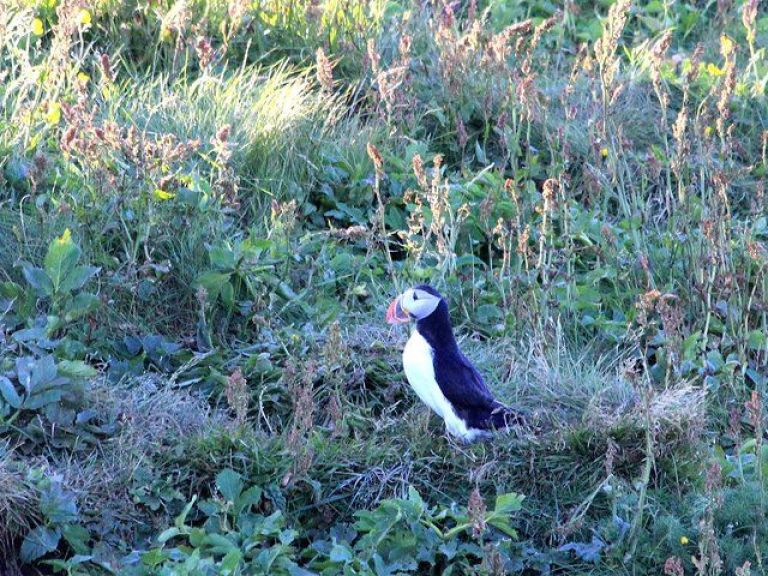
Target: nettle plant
pixel 400 536
pixel 57 288
pixel 60 522
pixel 40 384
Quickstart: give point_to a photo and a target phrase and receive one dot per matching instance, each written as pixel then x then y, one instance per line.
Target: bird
pixel 442 377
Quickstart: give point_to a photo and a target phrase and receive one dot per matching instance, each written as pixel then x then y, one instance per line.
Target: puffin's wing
pixel 462 384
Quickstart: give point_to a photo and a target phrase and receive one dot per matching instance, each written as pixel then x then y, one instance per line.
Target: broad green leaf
pixel 223 258
pixel 219 544
pixel 508 503
pixel 61 259
pixel 9 394
pixel 37 279
pixel 756 340
pixel 249 497
pixel 154 557
pixel 181 519
pixel 501 523
pixel 36 373
pixel 230 484
pixel 38 543
pixel 231 561
pixel 24 367
pixel 340 553
pixel 163 195
pixel 77 369
pixel 37 401
pixel 213 283
pixel 78 278
pixel 81 305
pixel 11 290
pixel 228 295
pixel 191 563
pixel 44 372
pixel 58 506
pixel 167 534
pixel 77 537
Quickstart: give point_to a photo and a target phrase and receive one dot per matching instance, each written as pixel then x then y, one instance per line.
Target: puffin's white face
pixel 415 303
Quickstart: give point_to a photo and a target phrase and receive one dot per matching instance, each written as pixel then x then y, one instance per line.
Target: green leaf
pixel 502 524
pixel 38 279
pixel 9 394
pixel 78 278
pixel 77 537
pixel 231 561
pixel 167 534
pixel 249 497
pixel 508 503
pixel 11 291
pixel 480 153
pixel 213 283
pixel 230 484
pixel 223 258
pixel 58 506
pixel 218 543
pixel 61 259
pixel 154 557
pixel 228 295
pixel 81 305
pixel 38 543
pixel 37 401
pixel 182 518
pixel 37 374
pixel 77 369
pixel 161 195
pixel 341 554
pixel 756 340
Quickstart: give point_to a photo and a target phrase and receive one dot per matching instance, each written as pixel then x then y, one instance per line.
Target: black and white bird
pixel 440 374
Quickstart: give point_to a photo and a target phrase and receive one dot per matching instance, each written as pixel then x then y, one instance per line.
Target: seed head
pixel 674 567
pixel 375 156
pixel 476 510
pixel 237 395
pixel 324 70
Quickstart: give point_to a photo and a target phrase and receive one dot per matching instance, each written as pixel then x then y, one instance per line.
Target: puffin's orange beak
pixel 395 313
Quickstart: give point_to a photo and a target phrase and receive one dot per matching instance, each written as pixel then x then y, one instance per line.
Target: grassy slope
pixel 597 221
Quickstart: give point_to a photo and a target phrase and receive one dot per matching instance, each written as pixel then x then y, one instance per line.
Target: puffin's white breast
pixel 418 367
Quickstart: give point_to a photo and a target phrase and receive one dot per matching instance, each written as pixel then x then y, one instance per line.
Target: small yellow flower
pixel 160 194
pixel 604 152
pixel 84 17
pixel 54 113
pixel 684 540
pixel 83 77
pixel 37 27
pixel 708 131
pixel 713 70
pixel 165 35
pixel 107 91
pixel 726 46
pixel 65 238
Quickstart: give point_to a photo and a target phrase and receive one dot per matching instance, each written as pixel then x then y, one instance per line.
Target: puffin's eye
pixel 415 296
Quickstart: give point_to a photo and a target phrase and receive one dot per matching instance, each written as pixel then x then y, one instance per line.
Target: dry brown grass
pixel 18 502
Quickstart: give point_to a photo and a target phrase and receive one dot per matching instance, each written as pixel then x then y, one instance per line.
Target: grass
pixel 205 207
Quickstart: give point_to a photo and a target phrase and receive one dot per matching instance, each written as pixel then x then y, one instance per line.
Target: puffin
pixel 442 377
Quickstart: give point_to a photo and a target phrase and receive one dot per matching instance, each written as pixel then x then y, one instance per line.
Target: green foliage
pixel 60 517
pixel 242 186
pixel 57 286
pixel 400 535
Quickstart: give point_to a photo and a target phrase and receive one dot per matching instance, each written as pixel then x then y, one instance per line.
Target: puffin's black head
pixel 419 303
